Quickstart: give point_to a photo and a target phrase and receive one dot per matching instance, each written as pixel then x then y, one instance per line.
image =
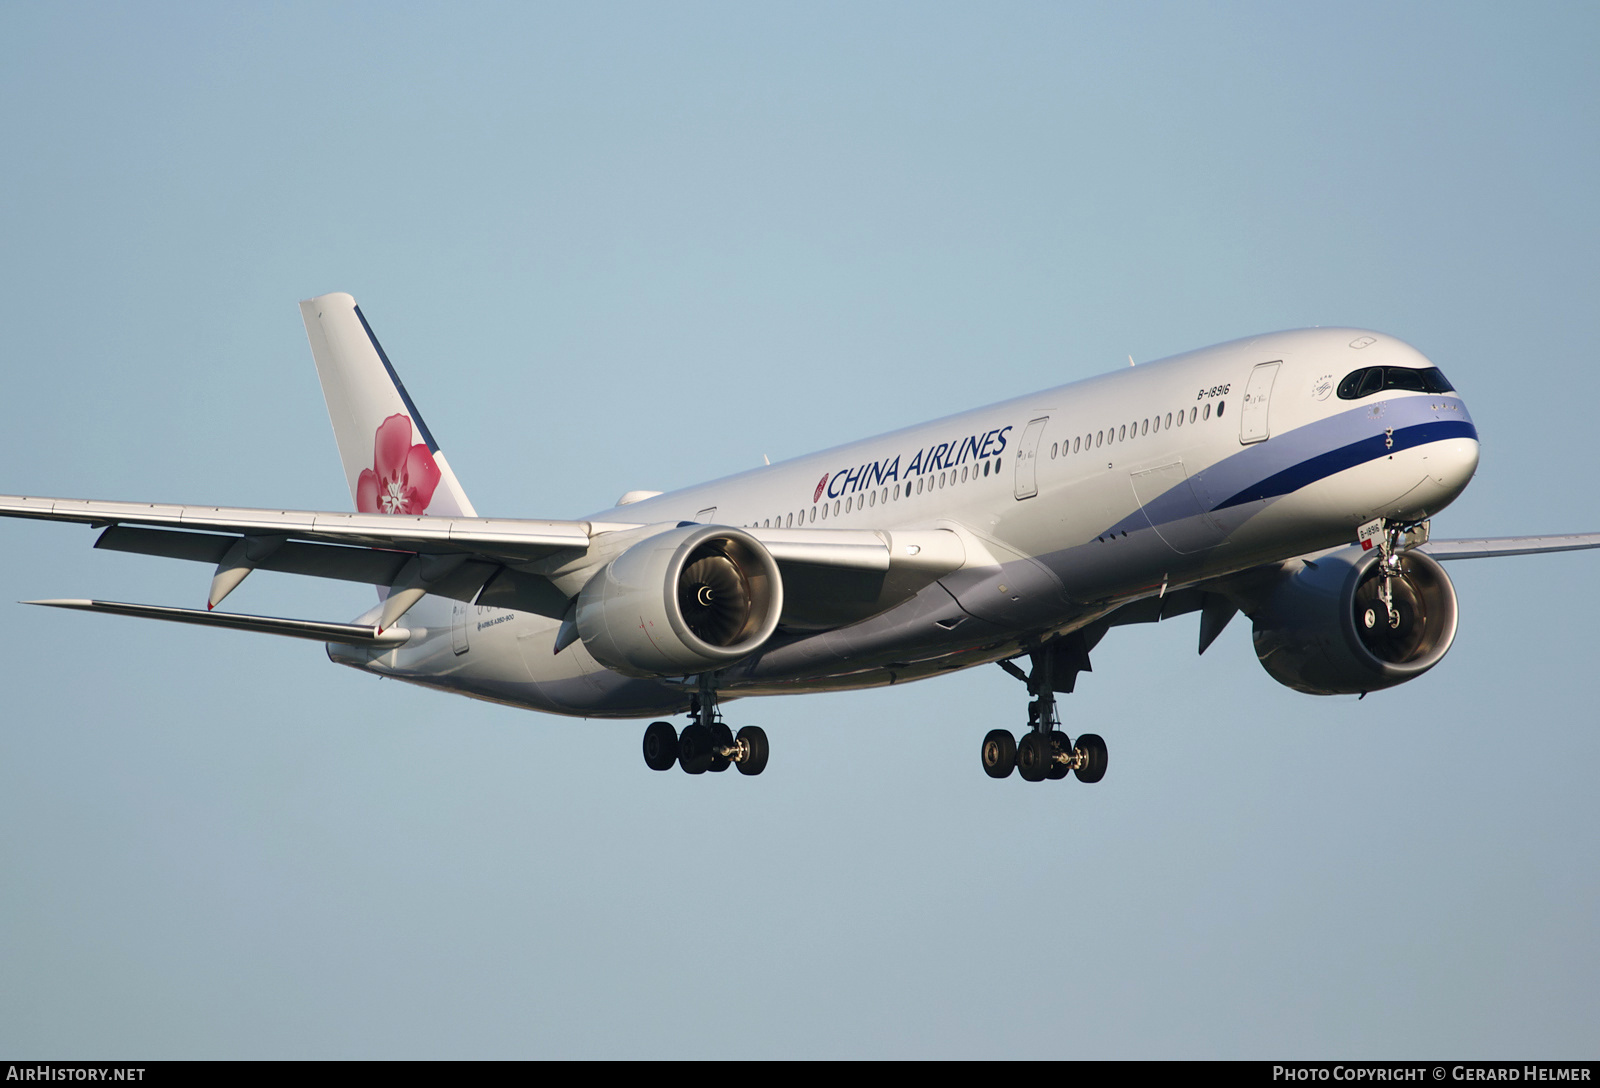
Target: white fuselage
pixel 1069 503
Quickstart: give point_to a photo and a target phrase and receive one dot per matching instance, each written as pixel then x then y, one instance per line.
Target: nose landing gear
pixel 706 744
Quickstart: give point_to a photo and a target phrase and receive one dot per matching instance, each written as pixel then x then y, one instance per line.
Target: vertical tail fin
pixel 391 461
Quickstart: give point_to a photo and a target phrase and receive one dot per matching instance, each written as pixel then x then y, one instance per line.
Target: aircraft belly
pixel 504 656
pixel 573 682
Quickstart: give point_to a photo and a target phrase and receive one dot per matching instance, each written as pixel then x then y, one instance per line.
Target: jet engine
pixel 1340 625
pixel 682 602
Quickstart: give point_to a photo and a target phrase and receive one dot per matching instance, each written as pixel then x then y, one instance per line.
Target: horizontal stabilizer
pixel 352 633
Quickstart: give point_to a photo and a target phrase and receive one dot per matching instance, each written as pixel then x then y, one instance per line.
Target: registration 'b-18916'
pixel 1290 476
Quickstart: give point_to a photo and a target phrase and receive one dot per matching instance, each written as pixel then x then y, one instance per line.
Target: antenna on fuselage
pixel 1130 360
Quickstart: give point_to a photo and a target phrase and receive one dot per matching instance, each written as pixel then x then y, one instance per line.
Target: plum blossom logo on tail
pixel 402 477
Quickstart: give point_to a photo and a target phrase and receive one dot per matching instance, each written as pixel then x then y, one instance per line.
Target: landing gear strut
pixel 1044 750
pixel 706 744
pixel 1397 538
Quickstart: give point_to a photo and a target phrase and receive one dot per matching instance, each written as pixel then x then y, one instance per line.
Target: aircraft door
pixel 459 619
pixel 1257 398
pixel 1027 458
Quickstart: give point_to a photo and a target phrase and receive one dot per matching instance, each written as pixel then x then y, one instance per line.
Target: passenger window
pixel 1169 419
pixel 1123 433
pixel 1144 428
pixel 1208 411
pixel 824 511
pixel 1221 404
pixel 986 468
pixel 848 503
pixel 1192 413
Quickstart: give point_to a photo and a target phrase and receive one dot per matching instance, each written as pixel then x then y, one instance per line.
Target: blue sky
pixel 637 246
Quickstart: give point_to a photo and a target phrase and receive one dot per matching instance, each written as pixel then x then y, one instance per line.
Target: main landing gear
pixel 1044 750
pixel 705 744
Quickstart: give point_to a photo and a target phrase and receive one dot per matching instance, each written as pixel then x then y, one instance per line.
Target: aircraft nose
pixel 1452 463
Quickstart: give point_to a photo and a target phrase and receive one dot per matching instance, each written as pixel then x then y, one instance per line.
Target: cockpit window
pixel 1375 379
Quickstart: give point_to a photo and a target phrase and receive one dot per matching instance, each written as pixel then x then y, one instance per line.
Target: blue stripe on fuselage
pixel 1296 458
pixel 1356 453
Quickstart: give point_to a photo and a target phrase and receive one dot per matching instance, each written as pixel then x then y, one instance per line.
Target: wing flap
pixel 367 565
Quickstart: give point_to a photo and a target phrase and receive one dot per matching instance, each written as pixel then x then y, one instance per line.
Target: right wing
pixel 1491 547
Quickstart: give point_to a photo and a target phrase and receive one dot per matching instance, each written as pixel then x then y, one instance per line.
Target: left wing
pixel 413 555
pixel 510 540
pixel 524 564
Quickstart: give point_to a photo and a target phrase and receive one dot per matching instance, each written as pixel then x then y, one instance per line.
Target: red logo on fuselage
pixel 822 483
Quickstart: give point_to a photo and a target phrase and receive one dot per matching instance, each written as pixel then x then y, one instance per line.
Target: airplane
pixel 1290 476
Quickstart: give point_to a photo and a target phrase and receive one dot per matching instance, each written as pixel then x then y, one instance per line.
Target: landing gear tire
pixel 1093 765
pixel 999 754
pixel 694 749
pixel 1060 745
pixel 1033 756
pixel 721 738
pixel 752 740
pixel 660 746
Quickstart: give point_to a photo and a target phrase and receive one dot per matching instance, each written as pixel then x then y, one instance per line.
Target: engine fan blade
pixel 714 598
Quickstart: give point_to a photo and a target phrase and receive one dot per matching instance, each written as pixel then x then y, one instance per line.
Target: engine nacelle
pixel 683 602
pixel 1327 630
